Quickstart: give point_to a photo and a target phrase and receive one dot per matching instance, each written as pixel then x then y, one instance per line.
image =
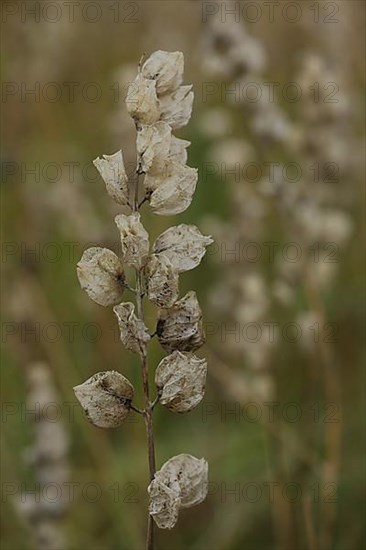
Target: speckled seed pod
pixel 100 273
pixel 133 332
pixel 112 170
pixel 176 108
pixel 153 145
pixel 162 281
pixel 166 68
pixel 180 327
pixel 181 482
pixel 184 245
pixel 180 379
pixel 174 189
pixel 134 240
pixel 142 102
pixel 106 398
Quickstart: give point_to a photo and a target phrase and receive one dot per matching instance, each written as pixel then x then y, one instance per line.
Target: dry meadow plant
pixel 158 103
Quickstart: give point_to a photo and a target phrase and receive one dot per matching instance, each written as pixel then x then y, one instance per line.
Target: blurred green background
pixel 54 205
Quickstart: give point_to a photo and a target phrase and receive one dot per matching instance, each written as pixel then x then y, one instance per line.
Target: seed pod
pixel 173 190
pixel 166 68
pixel 184 245
pixel 112 170
pixel 106 398
pixel 180 327
pixel 181 482
pixel 100 274
pixel 176 108
pixel 134 240
pixel 180 379
pixel 142 102
pixel 164 502
pixel 162 281
pixel 133 332
pixel 178 149
pixel 153 145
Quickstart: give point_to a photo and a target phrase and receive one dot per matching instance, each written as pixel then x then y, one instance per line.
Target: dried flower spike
pixel 100 273
pixel 158 104
pixel 106 398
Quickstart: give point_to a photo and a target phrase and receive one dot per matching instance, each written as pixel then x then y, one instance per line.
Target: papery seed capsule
pixel 162 281
pixel 133 332
pixel 134 240
pixel 176 108
pixel 106 398
pixel 142 102
pixel 164 502
pixel 153 145
pixel 166 68
pixel 180 379
pixel 178 150
pixel 184 245
pixel 112 170
pixel 173 191
pixel 182 482
pixel 180 327
pixel 100 273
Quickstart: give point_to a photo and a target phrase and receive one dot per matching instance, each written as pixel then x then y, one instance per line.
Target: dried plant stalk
pixel 158 103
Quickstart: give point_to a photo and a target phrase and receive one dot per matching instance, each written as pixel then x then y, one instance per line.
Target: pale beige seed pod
pixel 173 193
pixel 182 482
pixel 142 102
pixel 181 379
pixel 162 281
pixel 180 327
pixel 100 273
pixel 134 240
pixel 164 502
pixel 106 398
pixel 176 108
pixel 184 245
pixel 133 332
pixel 153 145
pixel 178 150
pixel 112 170
pixel 166 68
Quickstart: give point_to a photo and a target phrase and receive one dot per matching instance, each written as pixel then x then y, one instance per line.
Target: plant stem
pixel 147 413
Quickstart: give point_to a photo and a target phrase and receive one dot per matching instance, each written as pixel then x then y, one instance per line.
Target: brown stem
pixel 145 382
